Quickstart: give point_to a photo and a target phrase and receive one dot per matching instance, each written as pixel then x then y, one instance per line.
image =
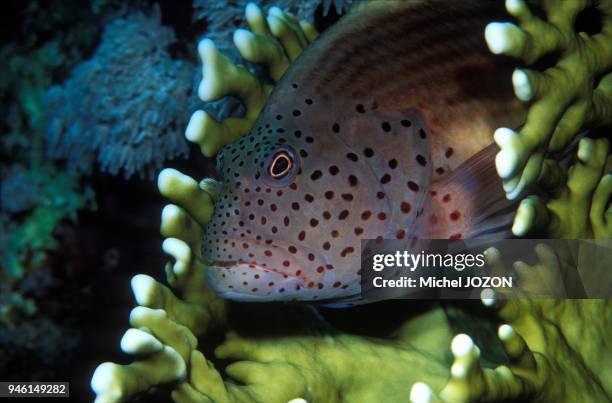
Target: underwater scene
pixel 306 201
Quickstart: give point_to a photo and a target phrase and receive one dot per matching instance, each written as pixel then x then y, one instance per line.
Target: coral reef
pixel 123 107
pixel 572 95
pixel 542 339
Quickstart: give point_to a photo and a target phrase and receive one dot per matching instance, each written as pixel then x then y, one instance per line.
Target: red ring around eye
pixel 280 165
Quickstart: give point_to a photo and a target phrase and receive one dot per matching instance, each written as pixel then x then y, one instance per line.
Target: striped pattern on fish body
pixel 381 129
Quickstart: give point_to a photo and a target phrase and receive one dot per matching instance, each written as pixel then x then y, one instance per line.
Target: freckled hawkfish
pixel 381 129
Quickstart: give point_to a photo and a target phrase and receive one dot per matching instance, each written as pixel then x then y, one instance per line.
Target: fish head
pixel 295 201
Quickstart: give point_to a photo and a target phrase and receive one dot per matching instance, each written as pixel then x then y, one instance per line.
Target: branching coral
pixel 124 107
pixel 224 17
pixel 572 95
pixel 579 208
pixel 274 42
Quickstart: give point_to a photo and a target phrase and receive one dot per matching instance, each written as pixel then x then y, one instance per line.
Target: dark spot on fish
pixel 406 207
pixel 380 195
pixel 333 170
pixel 382 216
pixel 286 221
pixel 309 139
pixel 326 215
pixel 343 214
pixel 347 196
pixel 295 205
pixel 297 134
pixel 400 234
pixel 326 245
pixel 386 127
pixel 335 234
pixel 386 178
pixel 413 186
pixel 440 170
pixel 368 152
pixel 303 153
pixel 320 269
pixel 296 112
pixel 406 123
pixel 286 263
pixel 347 251
pixel 309 198
pixel 446 198
pixel 352 179
pixel 314 222
pixel 279 117
pixel 393 163
pixel 311 257
pixel 422 134
pixel 456 236
pixel 292 249
pixel 360 108
pixel 366 215
pixel 308 101
pixel 358 230
pixel 336 128
pixel 449 152
pixel 302 235
pixel 353 157
pixel 421 160
pixel 455 215
pixel 329 195
pixel 316 175
pixel 294 85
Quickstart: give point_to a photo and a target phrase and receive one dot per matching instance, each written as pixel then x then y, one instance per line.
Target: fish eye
pixel 281 166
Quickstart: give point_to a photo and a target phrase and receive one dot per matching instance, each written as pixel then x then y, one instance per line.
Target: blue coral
pixel 126 106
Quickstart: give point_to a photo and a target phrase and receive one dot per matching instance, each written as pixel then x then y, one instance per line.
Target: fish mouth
pixel 252 282
pixel 260 280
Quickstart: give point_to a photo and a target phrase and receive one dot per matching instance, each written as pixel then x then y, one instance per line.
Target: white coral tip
pixel 195 128
pixel 104 381
pixel 515 7
pixel 487 296
pixel 505 332
pixel 497 35
pixel 420 393
pixel 143 287
pixel 136 341
pixel 461 345
pixel 522 87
